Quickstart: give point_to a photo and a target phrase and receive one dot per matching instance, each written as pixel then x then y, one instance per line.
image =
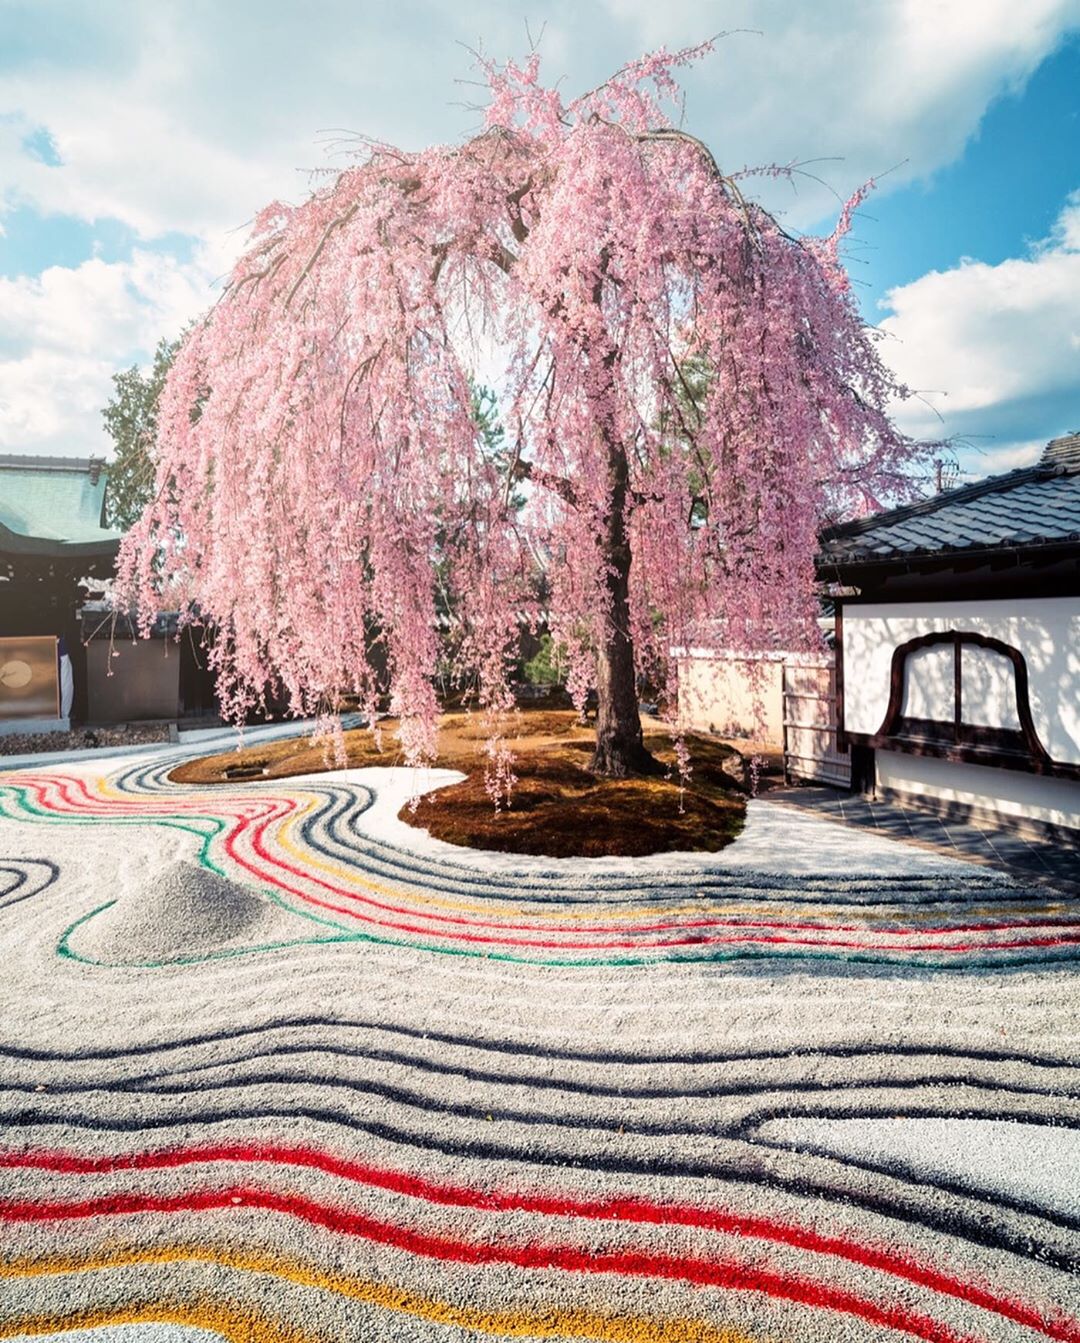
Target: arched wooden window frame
pixel 1008 748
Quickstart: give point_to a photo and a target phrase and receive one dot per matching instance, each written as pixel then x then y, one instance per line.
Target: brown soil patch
pixel 558 808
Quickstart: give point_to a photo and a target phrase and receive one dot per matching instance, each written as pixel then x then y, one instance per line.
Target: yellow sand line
pixel 281 831
pixel 243 1325
pixel 234 1323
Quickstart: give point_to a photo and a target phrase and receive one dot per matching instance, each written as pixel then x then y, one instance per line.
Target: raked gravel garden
pixel 276 1066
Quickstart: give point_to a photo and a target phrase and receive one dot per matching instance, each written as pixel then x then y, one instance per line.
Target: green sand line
pixel 35 813
pixel 717 957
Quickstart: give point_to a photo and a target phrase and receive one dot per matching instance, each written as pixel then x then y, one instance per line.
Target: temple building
pixel 958 647
pixel 53 543
pixel 61 659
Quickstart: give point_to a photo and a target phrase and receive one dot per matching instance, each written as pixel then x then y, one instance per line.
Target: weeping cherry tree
pixel 686 391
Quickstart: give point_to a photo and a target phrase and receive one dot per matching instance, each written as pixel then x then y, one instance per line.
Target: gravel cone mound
pixel 328 1080
pixel 178 911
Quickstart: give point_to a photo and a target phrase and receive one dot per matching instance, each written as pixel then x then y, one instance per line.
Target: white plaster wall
pixel 1005 793
pixel 730 695
pixel 1046 630
pixel 988 681
pixel 929 690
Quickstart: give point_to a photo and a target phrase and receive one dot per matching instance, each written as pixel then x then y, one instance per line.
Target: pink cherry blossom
pixel 687 393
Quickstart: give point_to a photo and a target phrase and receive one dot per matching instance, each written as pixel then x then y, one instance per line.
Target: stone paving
pixel 1056 862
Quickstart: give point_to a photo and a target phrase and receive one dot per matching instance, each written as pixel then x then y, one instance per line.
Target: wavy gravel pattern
pixel 275 1066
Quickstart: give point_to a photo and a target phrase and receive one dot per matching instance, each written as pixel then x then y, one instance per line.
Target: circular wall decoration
pixel 15 674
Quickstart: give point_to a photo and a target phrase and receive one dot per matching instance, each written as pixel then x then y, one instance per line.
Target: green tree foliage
pixel 131 422
pixel 548 666
pixel 681 421
pixel 485 414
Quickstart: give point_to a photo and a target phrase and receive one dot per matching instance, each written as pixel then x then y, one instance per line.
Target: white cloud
pixel 1002 457
pixel 898 82
pixel 1066 232
pixel 208 111
pixel 993 349
pixel 68 330
pixel 49 402
pixel 189 118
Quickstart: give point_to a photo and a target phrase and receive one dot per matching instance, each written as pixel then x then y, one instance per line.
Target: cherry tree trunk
pixel 619 747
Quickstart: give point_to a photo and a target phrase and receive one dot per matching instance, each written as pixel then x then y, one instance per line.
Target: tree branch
pixel 517 224
pixel 501 255
pixel 559 485
pixel 671 133
pixel 337 223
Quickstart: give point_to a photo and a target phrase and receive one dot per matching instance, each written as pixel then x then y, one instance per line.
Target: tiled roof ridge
pixel 1059 464
pixel 28 462
pixel 1065 448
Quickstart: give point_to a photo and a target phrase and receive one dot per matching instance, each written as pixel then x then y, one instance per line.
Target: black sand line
pixel 523 1049
pixel 777 1087
pixel 672 885
pixel 342 808
pixel 22 869
pixel 984 1225
pixel 743 1130
pixel 338 812
pixel 865 891
pixel 897 1170
pixel 546 1082
pixel 996 886
pixel 893 1101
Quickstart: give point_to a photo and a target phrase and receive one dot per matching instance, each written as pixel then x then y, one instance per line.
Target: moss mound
pixel 558 808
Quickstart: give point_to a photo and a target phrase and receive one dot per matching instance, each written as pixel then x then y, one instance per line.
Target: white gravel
pixel 130 1333
pixel 168 911
pixel 1034 1163
pixel 668 1082
pixel 775 839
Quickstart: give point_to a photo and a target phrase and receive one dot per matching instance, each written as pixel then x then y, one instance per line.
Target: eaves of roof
pixel 1032 509
pixel 12 543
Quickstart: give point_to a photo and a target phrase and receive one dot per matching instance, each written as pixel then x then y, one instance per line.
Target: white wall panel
pixel 1007 794
pixel 1046 630
pixel 929 684
pixel 988 688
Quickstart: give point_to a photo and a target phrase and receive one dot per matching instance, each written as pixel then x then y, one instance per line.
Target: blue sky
pixel 997 201
pixel 136 140
pixel 1003 192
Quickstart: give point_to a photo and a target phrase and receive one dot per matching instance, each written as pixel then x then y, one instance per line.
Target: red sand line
pixel 276 809
pixel 624 944
pixel 626 1210
pixel 725 1275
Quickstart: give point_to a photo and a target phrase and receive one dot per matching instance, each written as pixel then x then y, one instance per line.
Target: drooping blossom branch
pixel 321 477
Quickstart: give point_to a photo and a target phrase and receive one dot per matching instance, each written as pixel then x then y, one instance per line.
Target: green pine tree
pixel 131 423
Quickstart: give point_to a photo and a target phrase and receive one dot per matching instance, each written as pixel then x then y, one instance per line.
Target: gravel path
pixel 275 1066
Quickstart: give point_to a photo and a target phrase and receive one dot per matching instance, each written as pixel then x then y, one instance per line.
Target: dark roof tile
pixel 1036 505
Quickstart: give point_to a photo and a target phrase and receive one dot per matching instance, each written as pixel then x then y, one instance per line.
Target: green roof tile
pixel 59 500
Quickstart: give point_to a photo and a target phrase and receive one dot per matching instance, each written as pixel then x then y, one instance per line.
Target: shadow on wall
pixel 1046 632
